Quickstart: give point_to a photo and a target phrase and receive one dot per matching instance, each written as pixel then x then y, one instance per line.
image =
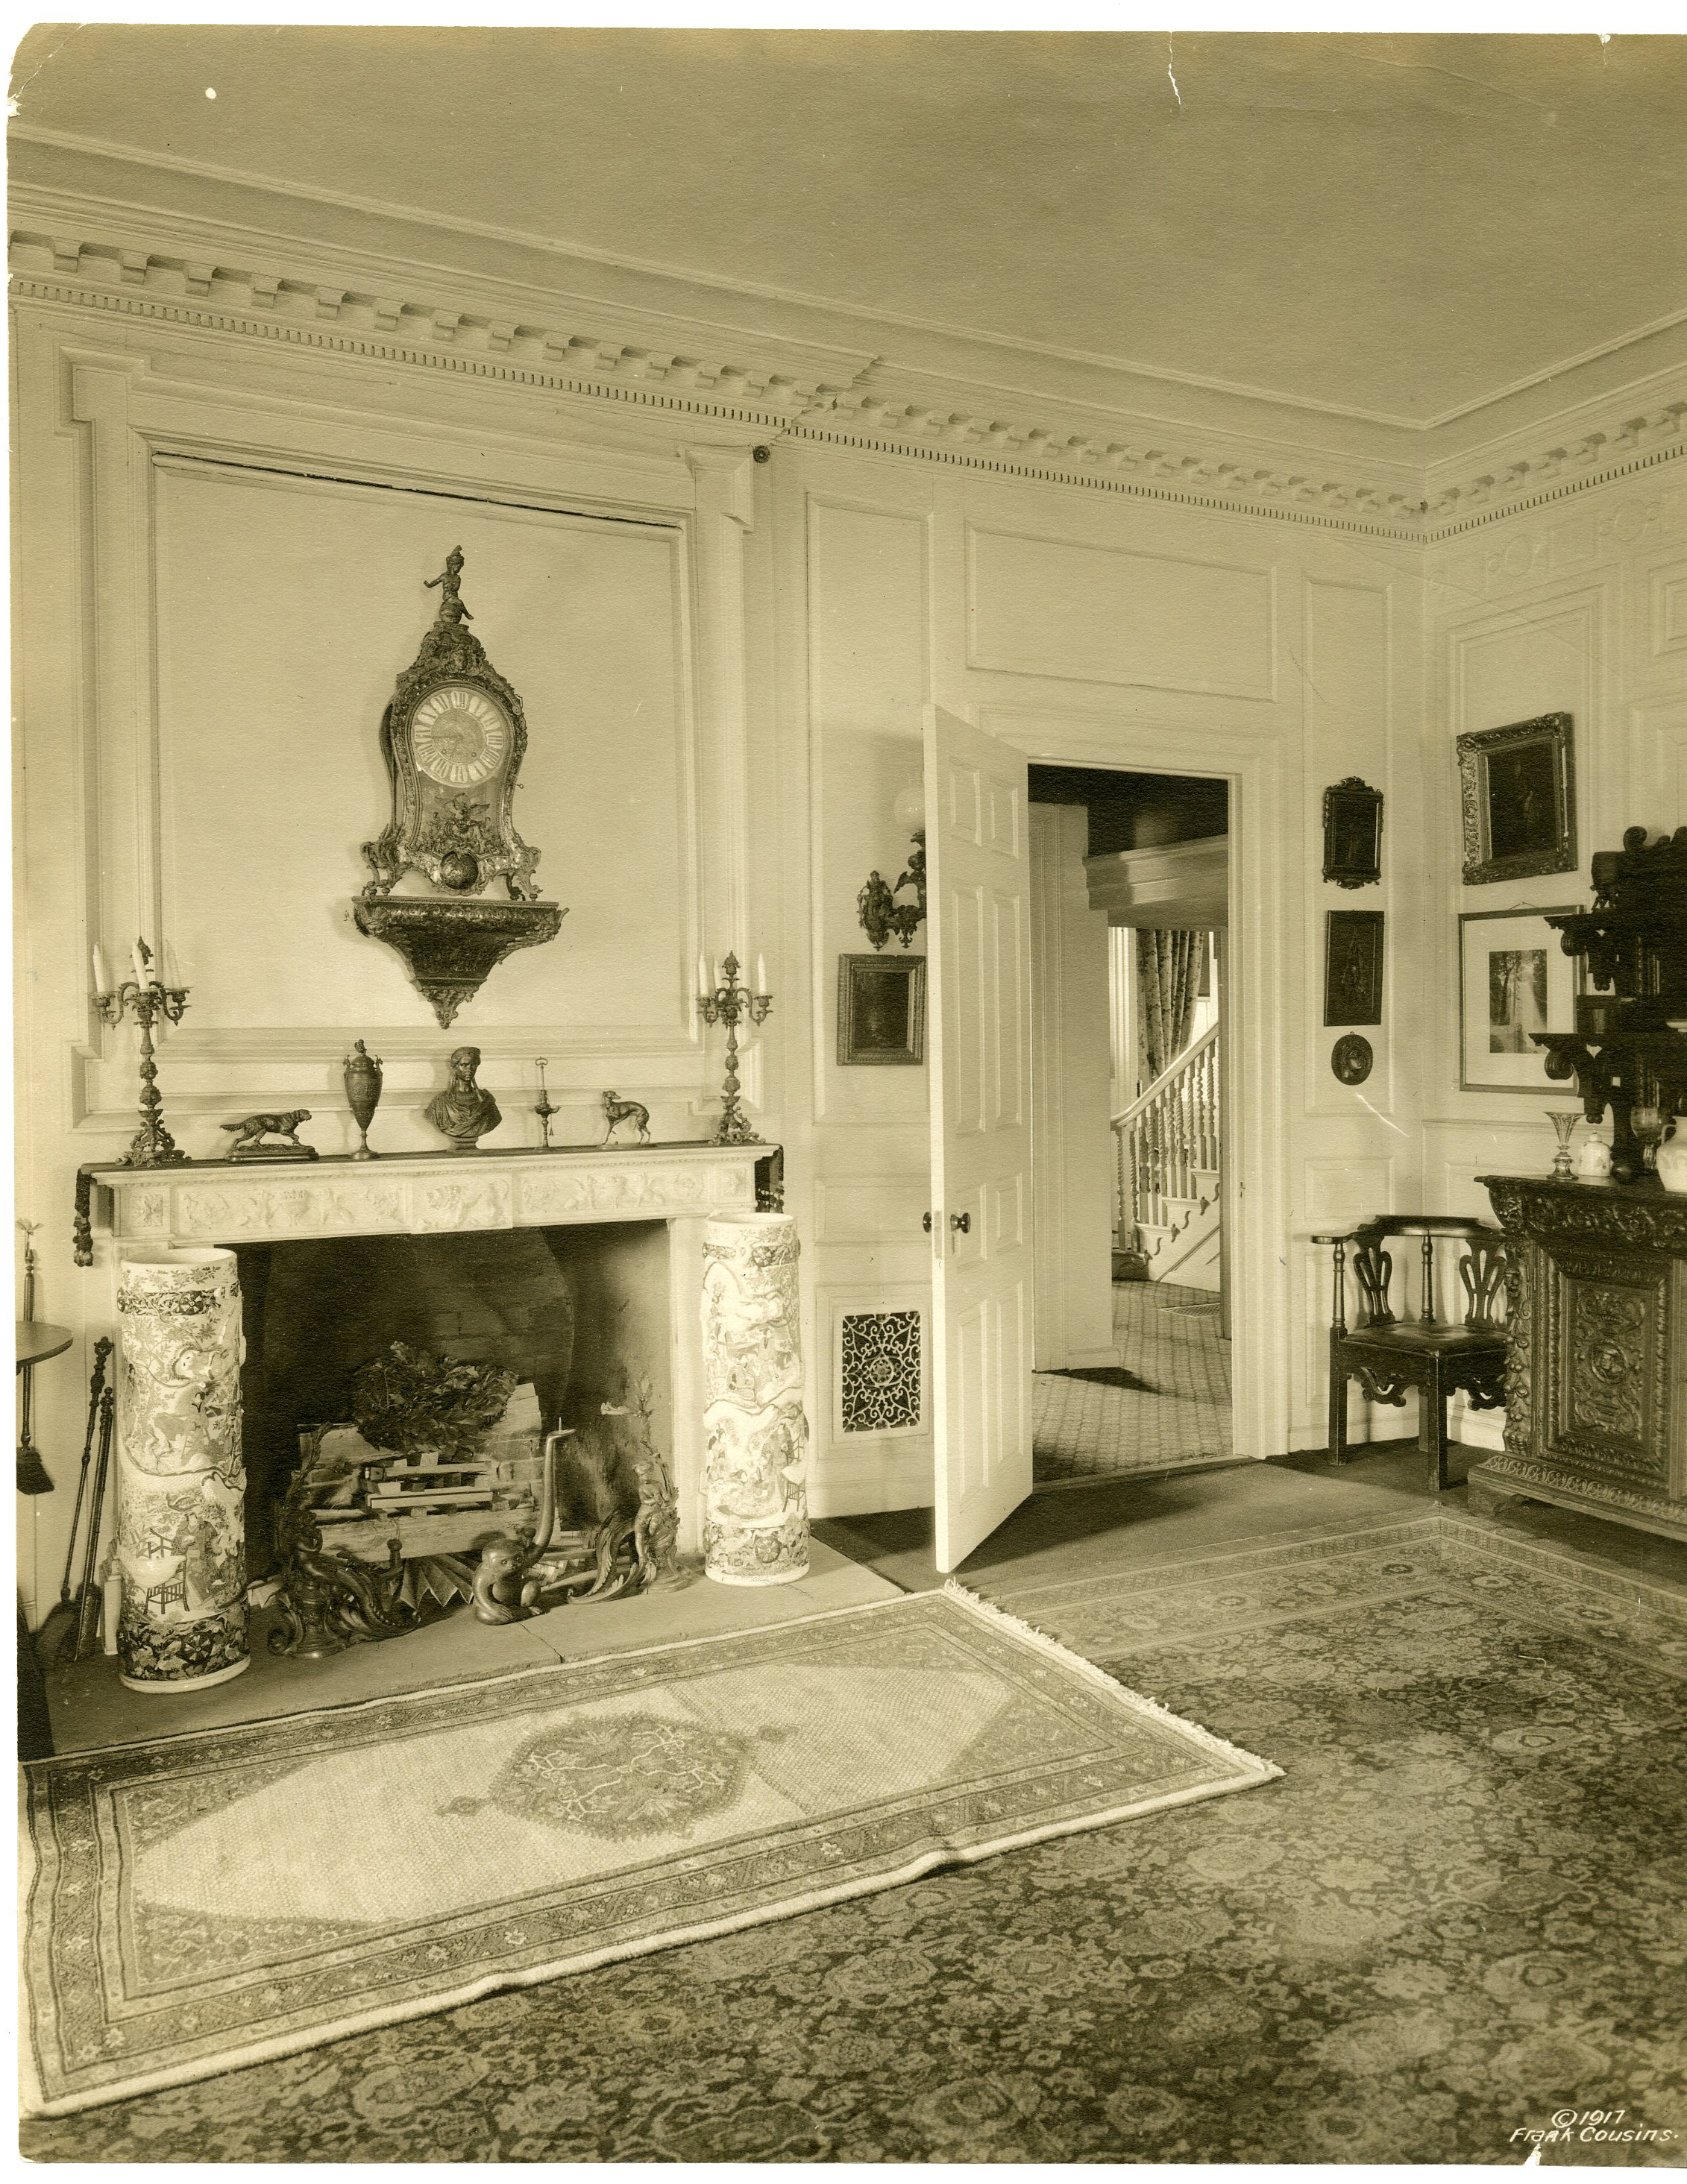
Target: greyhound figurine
pixel 619 1110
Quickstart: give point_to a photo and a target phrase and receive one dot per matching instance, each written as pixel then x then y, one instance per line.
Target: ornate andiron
pixel 726 1003
pixel 152 1146
pixel 881 914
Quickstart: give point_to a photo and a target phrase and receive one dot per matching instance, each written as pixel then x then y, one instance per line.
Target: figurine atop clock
pixel 453 738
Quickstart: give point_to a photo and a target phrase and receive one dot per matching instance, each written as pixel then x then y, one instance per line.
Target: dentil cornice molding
pixel 785 388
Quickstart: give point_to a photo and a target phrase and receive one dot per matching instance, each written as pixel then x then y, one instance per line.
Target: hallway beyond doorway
pixel 1165 1408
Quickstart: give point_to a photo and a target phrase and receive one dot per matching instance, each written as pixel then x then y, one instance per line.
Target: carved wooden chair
pixel 1438 1358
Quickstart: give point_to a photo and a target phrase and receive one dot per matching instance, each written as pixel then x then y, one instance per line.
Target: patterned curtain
pixel 1168 983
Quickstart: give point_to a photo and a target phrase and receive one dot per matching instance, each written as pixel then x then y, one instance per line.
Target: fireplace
pixel 578 1313
pixel 565 1266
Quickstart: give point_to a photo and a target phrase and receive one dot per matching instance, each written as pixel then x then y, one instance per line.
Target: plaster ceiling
pixel 1396 225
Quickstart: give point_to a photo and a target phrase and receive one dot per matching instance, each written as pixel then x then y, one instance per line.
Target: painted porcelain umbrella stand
pixel 180 1476
pixel 756 1437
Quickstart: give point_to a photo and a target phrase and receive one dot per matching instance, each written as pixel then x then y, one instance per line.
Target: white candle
pixel 172 969
pixel 702 978
pixel 137 957
pixel 761 974
pixel 99 980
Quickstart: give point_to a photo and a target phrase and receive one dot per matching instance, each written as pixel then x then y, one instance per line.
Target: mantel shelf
pixel 231 1202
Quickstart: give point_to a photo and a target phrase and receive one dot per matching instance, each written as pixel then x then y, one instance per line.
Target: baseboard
pixel 1302 1439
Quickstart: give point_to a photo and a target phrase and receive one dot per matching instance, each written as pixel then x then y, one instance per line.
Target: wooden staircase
pixel 1166 1174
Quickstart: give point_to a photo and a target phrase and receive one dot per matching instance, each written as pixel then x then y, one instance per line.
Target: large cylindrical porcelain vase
pixel 181 1476
pixel 756 1437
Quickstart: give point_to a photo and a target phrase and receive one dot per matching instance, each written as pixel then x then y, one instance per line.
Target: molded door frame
pixel 1253 1053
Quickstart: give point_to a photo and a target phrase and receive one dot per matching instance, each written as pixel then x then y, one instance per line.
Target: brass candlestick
pixel 727 1003
pixel 542 1106
pixel 152 1146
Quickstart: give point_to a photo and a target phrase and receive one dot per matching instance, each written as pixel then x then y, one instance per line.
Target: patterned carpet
pixel 226 1897
pixel 1166 1407
pixel 1459 1912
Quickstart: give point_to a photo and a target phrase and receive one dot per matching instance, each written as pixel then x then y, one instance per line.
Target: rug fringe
pixel 1264 1770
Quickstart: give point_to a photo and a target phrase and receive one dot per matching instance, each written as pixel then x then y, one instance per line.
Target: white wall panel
pixel 1044 606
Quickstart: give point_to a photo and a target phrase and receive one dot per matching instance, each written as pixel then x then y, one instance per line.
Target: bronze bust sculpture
pixel 463 1111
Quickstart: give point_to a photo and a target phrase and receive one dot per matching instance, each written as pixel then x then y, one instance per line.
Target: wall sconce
pixel 881 914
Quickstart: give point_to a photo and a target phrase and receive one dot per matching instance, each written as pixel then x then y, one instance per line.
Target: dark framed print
pixel 1353 834
pixel 1353 967
pixel 1514 980
pixel 881 1010
pixel 1517 795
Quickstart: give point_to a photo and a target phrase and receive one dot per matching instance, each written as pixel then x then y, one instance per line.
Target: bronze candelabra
pixel 727 1002
pixel 147 999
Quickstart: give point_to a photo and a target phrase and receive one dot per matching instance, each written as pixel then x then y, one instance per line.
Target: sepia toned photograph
pixel 737 1444
pixel 1515 981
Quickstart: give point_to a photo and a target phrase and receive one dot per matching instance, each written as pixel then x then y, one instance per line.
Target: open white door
pixel 978 940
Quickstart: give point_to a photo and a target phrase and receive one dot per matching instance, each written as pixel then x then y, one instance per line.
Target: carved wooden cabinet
pixel 1596 1371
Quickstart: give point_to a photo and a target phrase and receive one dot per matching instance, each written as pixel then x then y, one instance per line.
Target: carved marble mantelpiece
pixel 1596 1375
pixel 435 1193
pixel 420 1193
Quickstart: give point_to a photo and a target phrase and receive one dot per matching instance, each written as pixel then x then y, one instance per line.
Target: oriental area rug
pixel 1459 1912
pixel 224 1897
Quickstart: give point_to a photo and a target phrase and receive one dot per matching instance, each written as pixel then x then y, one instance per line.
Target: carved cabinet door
pixel 1612 1327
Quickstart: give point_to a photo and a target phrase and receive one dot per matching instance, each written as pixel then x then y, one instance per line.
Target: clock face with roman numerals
pixel 460 736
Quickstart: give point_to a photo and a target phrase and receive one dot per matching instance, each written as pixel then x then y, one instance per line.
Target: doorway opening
pixel 1132 1273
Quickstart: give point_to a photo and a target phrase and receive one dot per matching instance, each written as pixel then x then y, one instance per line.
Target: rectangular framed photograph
pixel 1514 978
pixel 1353 967
pixel 881 1010
pixel 1517 800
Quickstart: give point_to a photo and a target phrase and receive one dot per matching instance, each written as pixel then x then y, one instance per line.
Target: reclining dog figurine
pixel 252 1130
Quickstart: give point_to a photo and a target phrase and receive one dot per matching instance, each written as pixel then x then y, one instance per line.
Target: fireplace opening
pixel 579 1312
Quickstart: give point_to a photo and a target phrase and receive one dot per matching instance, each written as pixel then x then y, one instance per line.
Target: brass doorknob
pixel 926 1222
pixel 962 1222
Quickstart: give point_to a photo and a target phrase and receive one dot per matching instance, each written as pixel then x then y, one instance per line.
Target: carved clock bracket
pixel 453 737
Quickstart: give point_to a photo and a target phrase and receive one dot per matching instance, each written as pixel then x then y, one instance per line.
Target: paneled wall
pixel 1582 609
pixel 1100 630
pixel 725 664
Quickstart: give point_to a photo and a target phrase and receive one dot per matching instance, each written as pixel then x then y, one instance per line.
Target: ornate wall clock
pixel 453 738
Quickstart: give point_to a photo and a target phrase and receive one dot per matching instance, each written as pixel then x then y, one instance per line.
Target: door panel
pixel 978 933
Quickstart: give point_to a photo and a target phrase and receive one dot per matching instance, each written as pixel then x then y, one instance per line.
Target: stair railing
pixel 1161 1141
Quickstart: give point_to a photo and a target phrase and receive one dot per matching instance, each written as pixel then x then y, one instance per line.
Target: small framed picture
pixel 1353 967
pixel 1353 834
pixel 881 1010
pixel 1514 978
pixel 1517 796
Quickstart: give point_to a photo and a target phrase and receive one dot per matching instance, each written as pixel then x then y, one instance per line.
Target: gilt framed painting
pixel 1517 800
pixel 1514 980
